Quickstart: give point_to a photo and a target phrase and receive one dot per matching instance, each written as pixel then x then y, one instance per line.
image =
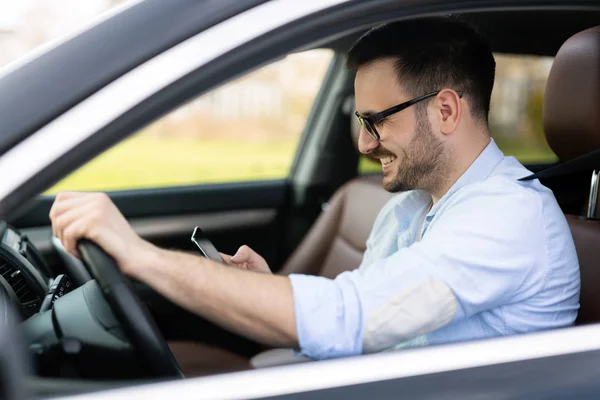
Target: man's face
pixel 411 155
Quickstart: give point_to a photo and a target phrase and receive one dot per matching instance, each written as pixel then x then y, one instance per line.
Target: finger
pixel 70 195
pixel 66 202
pixel 84 225
pixel 64 199
pixel 65 196
pixel 256 261
pixel 243 265
pixel 62 222
pixel 59 220
pixel 225 257
pixel 62 204
pixel 244 254
pixel 71 236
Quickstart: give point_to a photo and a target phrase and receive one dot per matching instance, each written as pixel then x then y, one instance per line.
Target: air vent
pixel 17 281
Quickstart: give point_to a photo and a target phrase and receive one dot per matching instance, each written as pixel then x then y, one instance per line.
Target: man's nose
pixel 366 143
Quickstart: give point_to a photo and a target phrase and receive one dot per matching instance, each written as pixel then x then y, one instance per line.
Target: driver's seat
pixel 572 129
pixel 336 241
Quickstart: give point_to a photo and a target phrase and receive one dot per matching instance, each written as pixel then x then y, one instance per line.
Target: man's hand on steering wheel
pixel 93 216
pixel 111 250
pixel 238 300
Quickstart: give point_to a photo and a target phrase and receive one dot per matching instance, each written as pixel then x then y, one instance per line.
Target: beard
pixel 421 164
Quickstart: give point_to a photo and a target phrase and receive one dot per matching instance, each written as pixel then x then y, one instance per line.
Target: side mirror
pixel 14 359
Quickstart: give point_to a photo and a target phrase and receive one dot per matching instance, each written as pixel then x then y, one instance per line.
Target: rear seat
pixel 572 128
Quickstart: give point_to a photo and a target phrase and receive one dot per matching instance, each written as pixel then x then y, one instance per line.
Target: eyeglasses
pixel 369 122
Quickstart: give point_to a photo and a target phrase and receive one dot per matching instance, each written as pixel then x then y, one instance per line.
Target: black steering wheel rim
pixel 134 316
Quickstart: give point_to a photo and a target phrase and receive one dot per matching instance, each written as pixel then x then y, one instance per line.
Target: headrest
pixel 572 100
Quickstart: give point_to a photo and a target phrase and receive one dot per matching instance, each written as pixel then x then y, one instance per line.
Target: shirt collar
pixel 480 169
pixel 417 202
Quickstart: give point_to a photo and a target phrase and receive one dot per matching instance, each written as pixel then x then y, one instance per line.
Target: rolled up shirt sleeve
pixel 328 320
pixel 472 259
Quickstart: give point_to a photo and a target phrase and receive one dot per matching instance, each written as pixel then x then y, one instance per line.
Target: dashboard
pixel 24 274
pixel 75 327
pixel 70 323
pixel 66 322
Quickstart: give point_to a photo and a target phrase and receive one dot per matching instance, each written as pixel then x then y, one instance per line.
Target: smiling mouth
pixel 387 160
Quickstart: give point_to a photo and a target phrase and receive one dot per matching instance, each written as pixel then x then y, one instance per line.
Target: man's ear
pixel 449 109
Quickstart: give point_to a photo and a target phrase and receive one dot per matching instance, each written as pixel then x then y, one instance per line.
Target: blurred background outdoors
pixel 248 129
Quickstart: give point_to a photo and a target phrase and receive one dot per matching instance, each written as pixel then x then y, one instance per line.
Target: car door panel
pixel 229 214
pixel 566 376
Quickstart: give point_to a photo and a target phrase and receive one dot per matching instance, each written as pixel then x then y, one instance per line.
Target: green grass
pixel 147 162
pixel 366 166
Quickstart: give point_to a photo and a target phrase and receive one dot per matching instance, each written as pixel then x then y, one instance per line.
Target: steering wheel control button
pixel 47 303
pixel 71 345
pixel 32 306
pixel 60 286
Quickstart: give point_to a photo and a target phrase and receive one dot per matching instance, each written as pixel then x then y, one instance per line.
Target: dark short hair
pixel 433 54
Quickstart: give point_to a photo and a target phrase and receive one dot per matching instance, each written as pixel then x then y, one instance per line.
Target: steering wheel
pixel 136 320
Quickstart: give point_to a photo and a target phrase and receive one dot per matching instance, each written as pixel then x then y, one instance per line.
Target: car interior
pixel 317 226
pixel 336 240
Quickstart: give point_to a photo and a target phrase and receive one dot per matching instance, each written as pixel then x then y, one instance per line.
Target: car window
pixel 515 119
pixel 245 130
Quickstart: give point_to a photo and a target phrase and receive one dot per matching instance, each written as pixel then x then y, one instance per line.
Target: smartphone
pixel 207 249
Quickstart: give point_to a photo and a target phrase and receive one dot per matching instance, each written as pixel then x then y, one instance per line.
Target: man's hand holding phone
pixel 246 258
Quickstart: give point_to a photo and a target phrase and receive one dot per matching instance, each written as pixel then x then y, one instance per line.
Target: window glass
pixel 245 130
pixel 515 119
pixel 516 107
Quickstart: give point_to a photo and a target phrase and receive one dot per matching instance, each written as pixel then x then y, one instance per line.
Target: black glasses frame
pixel 369 122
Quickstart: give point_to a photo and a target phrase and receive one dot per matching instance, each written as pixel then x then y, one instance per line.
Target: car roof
pixel 506 30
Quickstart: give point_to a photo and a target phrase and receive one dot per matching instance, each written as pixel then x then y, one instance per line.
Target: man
pixel 466 251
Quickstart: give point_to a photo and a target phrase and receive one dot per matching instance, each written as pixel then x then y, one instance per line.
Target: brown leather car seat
pixel 336 241
pixel 571 118
pixel 334 244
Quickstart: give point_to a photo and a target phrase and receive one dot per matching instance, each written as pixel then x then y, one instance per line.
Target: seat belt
pixel 586 162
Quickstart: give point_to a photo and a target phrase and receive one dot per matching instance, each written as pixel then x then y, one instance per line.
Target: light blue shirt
pixel 493 257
